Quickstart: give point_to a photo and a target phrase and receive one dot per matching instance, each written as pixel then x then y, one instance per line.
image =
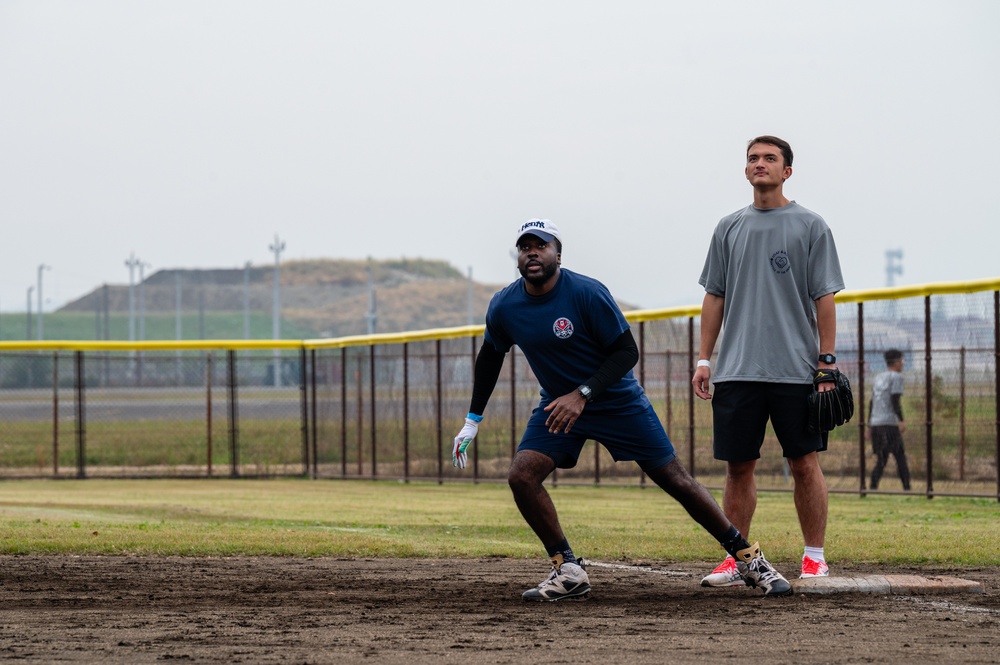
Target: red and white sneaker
pixel 725 574
pixel 812 568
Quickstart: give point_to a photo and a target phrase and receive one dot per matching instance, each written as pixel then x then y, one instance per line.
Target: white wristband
pixel 704 363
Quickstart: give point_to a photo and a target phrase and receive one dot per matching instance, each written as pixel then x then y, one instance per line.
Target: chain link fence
pixel 388 406
pixel 151 414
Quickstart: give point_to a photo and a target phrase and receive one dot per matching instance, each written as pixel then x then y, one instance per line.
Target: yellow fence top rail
pixel 396 338
pixel 634 316
pixel 920 290
pixel 153 345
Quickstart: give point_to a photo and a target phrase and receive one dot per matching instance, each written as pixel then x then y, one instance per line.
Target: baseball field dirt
pixel 288 610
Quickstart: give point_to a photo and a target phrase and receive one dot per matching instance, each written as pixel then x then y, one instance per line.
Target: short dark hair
pixel 786 150
pixel 892 355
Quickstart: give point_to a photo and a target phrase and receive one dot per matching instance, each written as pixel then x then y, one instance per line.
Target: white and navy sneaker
pixel 567 580
pixel 758 572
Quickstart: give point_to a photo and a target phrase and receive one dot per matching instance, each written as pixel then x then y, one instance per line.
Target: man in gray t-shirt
pixel 886 419
pixel 770 277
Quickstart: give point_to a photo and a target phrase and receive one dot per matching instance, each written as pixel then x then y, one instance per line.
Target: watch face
pixel 828 358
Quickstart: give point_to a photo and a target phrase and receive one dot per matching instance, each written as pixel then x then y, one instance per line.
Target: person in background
pixel 885 420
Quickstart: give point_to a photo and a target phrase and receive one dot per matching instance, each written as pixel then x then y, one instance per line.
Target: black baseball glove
pixel 830 408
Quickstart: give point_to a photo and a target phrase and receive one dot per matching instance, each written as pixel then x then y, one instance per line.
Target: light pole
pixel 372 315
pixel 892 268
pixel 30 290
pixel 469 298
pixel 142 298
pixel 278 247
pixel 131 263
pixel 177 304
pixel 41 268
pixel 246 300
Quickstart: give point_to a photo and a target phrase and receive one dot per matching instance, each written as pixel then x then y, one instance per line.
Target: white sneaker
pixel 725 574
pixel 567 580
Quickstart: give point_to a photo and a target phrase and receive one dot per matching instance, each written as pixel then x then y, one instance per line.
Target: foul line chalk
pixel 952 607
pixel 637 569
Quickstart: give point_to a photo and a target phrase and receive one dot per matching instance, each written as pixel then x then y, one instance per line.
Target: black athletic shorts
pixel 741 409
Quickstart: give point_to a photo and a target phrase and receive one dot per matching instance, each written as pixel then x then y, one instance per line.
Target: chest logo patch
pixel 780 263
pixel 563 328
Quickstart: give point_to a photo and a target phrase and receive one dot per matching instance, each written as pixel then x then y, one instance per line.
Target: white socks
pixel 814 553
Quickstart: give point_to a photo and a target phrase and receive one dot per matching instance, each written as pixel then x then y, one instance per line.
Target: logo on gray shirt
pixel 780 263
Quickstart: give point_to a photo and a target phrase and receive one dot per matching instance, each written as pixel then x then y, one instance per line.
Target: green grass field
pixel 298 517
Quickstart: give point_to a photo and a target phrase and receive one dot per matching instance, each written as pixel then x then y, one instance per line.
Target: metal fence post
pixel 861 399
pixel 691 427
pixel 81 427
pixel 371 392
pixel 642 378
pixel 361 417
pixel 304 409
pixel 475 449
pixel 55 414
pixel 996 382
pixel 961 413
pixel 234 423
pixel 929 398
pixel 669 370
pixel 513 401
pixel 438 392
pixel 343 412
pixel 313 415
pixel 406 411
pixel 209 372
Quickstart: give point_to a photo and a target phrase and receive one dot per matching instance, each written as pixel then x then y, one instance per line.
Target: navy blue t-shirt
pixel 564 335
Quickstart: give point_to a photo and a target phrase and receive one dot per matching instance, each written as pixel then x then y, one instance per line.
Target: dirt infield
pixel 268 610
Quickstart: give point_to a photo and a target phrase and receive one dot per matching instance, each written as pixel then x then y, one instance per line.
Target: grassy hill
pixel 319 298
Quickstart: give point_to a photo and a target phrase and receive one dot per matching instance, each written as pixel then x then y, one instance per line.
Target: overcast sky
pixel 191 133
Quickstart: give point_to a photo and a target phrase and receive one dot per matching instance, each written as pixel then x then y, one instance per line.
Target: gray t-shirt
pixel 886 385
pixel 770 266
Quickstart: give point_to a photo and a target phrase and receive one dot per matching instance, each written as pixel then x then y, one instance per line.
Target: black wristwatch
pixel 828 358
pixel 585 390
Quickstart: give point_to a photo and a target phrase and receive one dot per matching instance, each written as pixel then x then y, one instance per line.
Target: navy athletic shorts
pixel 741 409
pixel 637 436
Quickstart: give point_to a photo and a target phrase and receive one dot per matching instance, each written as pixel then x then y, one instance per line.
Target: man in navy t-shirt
pixel 581 349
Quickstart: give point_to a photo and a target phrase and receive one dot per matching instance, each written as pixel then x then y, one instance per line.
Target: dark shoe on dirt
pixel 567 580
pixel 758 572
